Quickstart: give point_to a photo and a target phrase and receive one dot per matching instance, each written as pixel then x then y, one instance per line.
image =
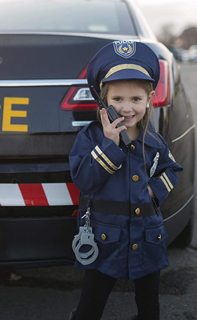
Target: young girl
pixel 123 185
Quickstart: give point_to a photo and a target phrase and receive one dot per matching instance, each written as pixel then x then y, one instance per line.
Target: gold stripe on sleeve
pixel 164 181
pixel 167 179
pixel 101 162
pixel 105 158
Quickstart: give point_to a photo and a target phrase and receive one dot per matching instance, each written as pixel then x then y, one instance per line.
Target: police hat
pixel 123 60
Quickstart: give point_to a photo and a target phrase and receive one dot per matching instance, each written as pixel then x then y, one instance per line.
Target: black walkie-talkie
pixel 112 114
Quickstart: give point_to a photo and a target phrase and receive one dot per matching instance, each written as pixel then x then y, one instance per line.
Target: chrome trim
pixel 43 83
pixel 80 123
pixel 180 208
pixel 184 134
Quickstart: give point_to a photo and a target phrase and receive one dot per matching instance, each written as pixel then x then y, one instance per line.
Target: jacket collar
pixel 151 138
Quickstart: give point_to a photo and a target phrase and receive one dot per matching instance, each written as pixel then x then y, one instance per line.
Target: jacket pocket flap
pixel 156 234
pixel 105 233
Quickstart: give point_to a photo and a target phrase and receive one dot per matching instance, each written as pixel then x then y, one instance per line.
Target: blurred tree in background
pixel 166 35
pixel 185 40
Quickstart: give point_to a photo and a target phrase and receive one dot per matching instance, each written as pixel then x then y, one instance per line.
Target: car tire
pixel 185 237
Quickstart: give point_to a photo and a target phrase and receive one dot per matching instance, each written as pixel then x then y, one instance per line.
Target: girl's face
pixel 129 99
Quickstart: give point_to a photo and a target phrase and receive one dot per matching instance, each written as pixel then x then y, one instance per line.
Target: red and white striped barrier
pixel 45 194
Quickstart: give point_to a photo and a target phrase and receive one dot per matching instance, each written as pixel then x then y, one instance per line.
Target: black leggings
pixel 96 290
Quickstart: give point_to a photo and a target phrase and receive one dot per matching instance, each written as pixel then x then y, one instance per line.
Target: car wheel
pixel 185 237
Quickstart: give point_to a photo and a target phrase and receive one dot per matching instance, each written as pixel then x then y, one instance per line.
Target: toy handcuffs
pixel 85 237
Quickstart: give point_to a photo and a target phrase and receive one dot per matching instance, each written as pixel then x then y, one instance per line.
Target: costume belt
pixel 120 208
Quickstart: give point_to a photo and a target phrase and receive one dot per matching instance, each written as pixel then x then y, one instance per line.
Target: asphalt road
pixel 51 293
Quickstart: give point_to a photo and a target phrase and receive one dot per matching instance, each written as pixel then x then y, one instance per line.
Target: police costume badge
pixel 125 49
pixel 155 164
pixel 171 156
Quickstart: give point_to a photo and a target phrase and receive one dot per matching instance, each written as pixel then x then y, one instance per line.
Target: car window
pixel 83 16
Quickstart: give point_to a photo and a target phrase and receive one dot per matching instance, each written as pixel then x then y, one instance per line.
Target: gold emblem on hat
pixel 125 49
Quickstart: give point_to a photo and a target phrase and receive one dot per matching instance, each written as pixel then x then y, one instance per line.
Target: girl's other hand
pixel 151 192
pixel 109 129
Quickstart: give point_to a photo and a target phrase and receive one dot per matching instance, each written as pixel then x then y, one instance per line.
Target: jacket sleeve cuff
pixel 163 184
pixel 108 155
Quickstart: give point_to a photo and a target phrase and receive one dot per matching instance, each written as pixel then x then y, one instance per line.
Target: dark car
pixel 45 48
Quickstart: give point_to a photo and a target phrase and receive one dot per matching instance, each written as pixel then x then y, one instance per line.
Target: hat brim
pixel 127 75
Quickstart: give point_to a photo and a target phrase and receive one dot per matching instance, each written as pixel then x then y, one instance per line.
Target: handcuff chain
pixel 87 218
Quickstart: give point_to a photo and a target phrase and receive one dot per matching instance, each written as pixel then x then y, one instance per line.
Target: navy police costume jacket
pixel 128 228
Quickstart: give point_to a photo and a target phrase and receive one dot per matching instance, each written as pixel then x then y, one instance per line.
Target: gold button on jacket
pixel 132 147
pixel 103 237
pixel 137 211
pixel 159 237
pixel 135 178
pixel 135 246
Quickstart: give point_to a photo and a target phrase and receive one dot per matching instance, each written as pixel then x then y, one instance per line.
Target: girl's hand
pixel 109 129
pixel 151 192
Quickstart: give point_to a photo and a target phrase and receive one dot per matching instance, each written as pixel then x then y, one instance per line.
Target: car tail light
pixel 162 92
pixel 79 98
